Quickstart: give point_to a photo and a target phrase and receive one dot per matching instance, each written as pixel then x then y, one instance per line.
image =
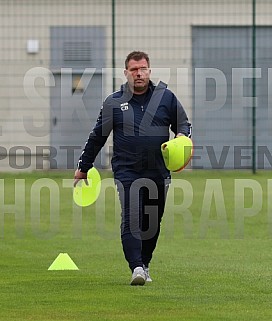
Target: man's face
pixel 138 75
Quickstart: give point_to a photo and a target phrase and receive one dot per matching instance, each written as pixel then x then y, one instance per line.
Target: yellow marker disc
pixel 177 153
pixel 85 195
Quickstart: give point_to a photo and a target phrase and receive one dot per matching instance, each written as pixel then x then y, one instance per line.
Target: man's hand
pixel 179 134
pixel 78 176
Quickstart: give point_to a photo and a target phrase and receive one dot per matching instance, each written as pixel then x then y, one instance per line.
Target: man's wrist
pixel 83 168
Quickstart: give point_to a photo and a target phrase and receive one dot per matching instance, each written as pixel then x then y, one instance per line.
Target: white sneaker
pixel 138 276
pixel 147 276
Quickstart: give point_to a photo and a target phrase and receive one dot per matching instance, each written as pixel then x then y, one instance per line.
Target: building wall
pixel 161 28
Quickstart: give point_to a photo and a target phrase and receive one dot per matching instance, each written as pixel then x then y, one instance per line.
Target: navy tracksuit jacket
pixel 140 124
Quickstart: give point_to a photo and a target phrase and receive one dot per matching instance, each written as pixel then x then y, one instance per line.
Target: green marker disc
pixel 85 195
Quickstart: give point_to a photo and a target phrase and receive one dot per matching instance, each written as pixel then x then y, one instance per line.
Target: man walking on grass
pixel 140 115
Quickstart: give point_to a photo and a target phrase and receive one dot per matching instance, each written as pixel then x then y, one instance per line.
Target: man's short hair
pixel 137 55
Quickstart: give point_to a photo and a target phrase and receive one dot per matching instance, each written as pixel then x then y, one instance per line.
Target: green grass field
pixel 213 260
